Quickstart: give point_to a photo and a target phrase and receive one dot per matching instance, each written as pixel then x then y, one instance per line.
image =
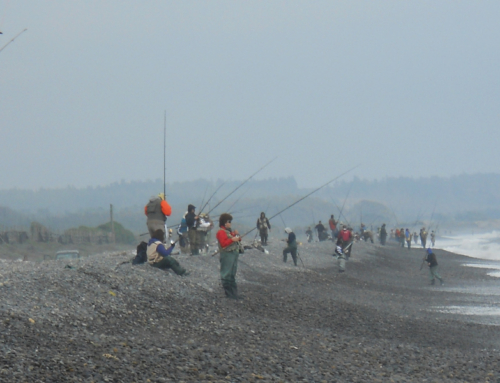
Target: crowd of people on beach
pixel 194 230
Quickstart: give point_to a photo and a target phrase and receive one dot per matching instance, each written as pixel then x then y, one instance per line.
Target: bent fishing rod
pixel 241 184
pixel 301 199
pixel 208 201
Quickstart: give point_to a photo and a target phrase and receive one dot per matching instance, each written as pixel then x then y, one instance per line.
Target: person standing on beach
pixel 340 255
pixel 408 237
pixel 291 246
pixel 157 210
pixel 423 237
pixel 320 228
pixel 346 237
pixel 415 237
pixel 263 225
pixel 229 249
pixel 433 267
pixel 433 238
pixel 402 237
pixel 383 235
pixel 333 227
pixel 192 222
pixel 309 234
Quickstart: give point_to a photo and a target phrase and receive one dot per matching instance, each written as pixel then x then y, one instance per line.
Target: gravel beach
pixel 99 319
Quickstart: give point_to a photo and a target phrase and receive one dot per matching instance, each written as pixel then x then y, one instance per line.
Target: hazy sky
pixel 406 88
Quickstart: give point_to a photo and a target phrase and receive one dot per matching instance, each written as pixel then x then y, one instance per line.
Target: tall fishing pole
pixel 204 195
pixel 243 183
pixel 307 195
pixel 340 212
pixel 345 200
pixel 301 199
pixel 235 202
pixel 208 201
pixel 15 37
pixel 165 165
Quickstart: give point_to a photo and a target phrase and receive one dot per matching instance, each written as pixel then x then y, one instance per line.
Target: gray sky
pixel 406 88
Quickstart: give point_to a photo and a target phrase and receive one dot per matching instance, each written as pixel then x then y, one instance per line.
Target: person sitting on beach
pixel 159 256
pixel 433 267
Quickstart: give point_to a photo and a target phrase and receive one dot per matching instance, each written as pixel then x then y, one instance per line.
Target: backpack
pixel 141 256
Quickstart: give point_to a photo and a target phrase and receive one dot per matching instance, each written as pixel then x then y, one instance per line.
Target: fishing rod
pixel 165 164
pixel 235 202
pixel 206 203
pixel 432 215
pixel 15 37
pixel 243 183
pixel 345 200
pixel 340 212
pixel 204 195
pixel 302 198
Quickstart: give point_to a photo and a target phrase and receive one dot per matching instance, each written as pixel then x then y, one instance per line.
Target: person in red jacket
pixel 157 210
pixel 346 239
pixel 229 247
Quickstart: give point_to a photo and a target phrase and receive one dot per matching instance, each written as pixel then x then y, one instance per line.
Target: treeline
pixel 395 201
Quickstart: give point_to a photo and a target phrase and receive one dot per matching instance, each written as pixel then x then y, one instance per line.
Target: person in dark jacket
pixel 433 267
pixel 157 210
pixel 322 235
pixel 291 246
pixel 192 222
pixel 383 234
pixel 159 255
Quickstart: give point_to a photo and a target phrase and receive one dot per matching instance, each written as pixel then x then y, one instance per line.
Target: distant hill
pixel 452 200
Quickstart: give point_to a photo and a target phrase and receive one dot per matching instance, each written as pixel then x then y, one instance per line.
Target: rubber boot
pixel 235 293
pixel 228 290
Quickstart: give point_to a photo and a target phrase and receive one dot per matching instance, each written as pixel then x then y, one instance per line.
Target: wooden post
pixel 112 223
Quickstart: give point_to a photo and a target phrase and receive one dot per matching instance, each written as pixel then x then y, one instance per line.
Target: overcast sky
pixel 406 88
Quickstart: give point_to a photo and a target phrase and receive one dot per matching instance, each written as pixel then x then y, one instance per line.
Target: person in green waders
pixel 229 249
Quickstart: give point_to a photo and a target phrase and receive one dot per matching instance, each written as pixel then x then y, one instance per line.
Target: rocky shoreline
pixel 102 320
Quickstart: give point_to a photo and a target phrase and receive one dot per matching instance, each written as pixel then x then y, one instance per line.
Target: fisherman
pixel 333 227
pixel 263 226
pixel 340 255
pixel 320 228
pixel 433 238
pixel 383 234
pixel 291 247
pixel 433 267
pixel 397 234
pixel 309 234
pixel 203 232
pixel 346 238
pixel 192 222
pixel 229 246
pixel 415 237
pixel 182 231
pixel 408 237
pixel 157 210
pixel 159 256
pixel 423 237
pixel 402 237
